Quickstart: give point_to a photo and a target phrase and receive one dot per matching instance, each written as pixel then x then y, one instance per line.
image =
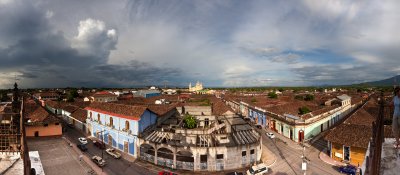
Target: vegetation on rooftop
pixel 304 110
pixel 202 101
pixel 307 97
pixel 189 121
pixel 272 95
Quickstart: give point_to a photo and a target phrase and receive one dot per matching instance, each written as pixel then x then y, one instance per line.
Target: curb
pixel 86 159
pixel 319 156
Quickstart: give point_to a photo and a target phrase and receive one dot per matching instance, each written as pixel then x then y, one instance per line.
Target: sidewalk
pixel 87 159
pixel 268 157
pixel 287 141
pixel 329 160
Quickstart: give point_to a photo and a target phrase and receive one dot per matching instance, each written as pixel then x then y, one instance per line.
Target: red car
pixel 99 144
pixel 166 173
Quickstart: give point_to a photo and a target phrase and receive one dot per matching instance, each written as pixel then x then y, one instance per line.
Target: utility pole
pixel 102 142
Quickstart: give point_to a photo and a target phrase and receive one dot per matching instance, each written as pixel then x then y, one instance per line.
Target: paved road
pixel 289 158
pixel 114 166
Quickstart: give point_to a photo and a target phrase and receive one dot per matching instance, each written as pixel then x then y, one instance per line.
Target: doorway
pixel 291 134
pixel 301 135
pixel 322 127
pixel 36 133
pixel 346 153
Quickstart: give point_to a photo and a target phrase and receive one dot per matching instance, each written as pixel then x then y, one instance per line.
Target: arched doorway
pixel 147 152
pixel 185 160
pixel 165 157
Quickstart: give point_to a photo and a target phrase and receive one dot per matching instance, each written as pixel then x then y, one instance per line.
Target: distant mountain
pixel 386 82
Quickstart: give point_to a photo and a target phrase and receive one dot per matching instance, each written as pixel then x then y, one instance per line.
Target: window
pixel 243 153
pixel 127 125
pixel 220 156
pixel 203 158
pixel 57 123
pixel 206 122
pixel 111 122
pixel 252 151
pixel 98 118
pixel 45 125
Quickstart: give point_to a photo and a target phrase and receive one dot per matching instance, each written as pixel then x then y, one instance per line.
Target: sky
pixel 230 43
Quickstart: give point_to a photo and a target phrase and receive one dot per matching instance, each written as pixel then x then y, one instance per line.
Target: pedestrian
pixel 80 157
pixel 396 116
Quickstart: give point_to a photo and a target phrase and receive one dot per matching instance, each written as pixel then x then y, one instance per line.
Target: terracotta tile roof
pixel 119 110
pixel 361 117
pixel 350 135
pixel 219 107
pixel 40 116
pixel 70 108
pixel 162 109
pixel 104 94
pixel 80 114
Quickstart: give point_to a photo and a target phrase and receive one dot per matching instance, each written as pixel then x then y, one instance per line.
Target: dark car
pixel 70 125
pixel 166 173
pixel 99 144
pixel 235 173
pixel 348 169
pixel 82 147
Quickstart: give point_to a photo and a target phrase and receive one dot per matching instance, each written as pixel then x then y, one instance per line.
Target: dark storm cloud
pixel 328 74
pixel 44 57
pixel 137 71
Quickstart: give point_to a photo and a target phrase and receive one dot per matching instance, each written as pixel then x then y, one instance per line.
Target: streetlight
pixel 102 142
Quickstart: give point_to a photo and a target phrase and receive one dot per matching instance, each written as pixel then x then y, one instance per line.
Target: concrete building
pixel 119 125
pixel 197 87
pixel 40 122
pixel 283 117
pixel 147 93
pixel 103 96
pixel 219 142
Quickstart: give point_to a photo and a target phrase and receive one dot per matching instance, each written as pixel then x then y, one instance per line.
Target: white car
pixel 258 170
pixel 270 135
pixel 113 152
pixel 82 140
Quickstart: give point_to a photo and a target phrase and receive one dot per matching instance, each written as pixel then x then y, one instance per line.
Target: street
pixel 113 166
pixel 288 154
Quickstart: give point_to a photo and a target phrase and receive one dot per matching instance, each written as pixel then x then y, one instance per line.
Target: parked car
pixel 166 173
pixel 82 147
pixel 258 169
pixel 348 169
pixel 113 152
pixel 83 140
pixel 234 173
pixel 270 135
pixel 99 161
pixel 99 144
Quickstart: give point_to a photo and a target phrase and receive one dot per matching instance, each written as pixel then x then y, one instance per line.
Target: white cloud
pixel 49 14
pixel 94 39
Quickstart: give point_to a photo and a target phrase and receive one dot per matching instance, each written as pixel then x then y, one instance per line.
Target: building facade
pixel 119 125
pixel 197 87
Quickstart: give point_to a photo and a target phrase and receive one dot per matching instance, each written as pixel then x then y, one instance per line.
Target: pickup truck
pixel 112 152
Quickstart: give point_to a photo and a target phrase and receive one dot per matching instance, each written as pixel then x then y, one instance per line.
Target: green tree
pixel 272 95
pixel 189 121
pixel 309 97
pixel 299 97
pixel 304 110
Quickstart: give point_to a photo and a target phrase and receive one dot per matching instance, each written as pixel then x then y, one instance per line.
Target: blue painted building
pixel 119 125
pixel 147 93
pixel 258 116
